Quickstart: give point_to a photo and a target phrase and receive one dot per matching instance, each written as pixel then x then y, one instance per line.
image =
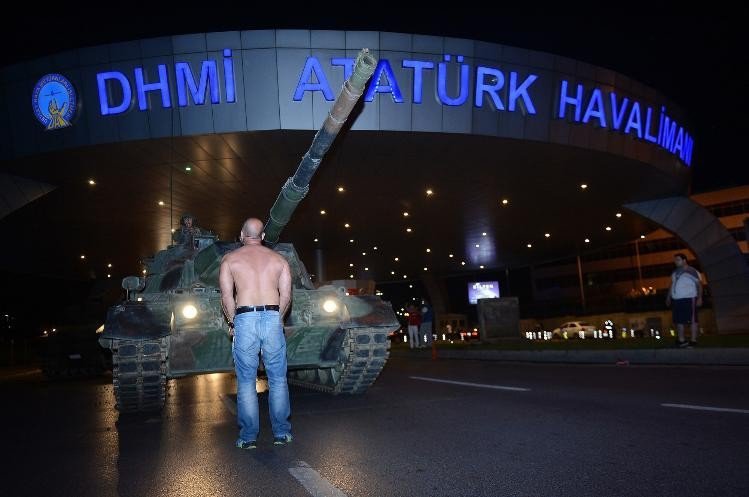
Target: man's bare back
pixel 260 276
pixel 256 271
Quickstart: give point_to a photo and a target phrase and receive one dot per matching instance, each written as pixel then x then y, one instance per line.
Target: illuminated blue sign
pixel 629 117
pixel 457 84
pixel 54 101
pixel 490 82
pixel 113 102
pixel 507 92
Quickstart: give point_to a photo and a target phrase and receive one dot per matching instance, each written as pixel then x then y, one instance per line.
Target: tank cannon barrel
pixel 297 186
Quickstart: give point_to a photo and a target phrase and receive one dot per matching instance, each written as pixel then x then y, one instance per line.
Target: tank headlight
pixel 189 311
pixel 330 306
pixel 100 330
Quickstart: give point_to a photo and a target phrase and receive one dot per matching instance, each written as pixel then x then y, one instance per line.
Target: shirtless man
pixel 262 280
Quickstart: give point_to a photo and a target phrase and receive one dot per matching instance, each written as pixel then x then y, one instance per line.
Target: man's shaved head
pixel 252 228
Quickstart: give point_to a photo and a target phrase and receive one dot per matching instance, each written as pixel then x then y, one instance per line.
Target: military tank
pixel 171 323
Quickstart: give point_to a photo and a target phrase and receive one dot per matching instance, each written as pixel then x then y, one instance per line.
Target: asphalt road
pixel 496 429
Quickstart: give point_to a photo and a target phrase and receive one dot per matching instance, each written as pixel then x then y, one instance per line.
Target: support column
pixel 319 266
pixel 639 264
pixel 719 255
pixel 580 279
pixel 437 293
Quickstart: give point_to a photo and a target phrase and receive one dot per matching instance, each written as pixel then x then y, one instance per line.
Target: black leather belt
pixel 253 308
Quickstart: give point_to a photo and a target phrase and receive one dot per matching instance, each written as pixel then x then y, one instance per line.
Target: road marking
pixel 707 408
pixel 229 404
pixel 469 384
pixel 316 485
pixel 24 373
pixel 369 407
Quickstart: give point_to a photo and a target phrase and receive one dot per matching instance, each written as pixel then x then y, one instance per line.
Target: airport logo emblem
pixel 54 101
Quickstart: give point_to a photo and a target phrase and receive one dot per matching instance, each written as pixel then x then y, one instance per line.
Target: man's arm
pixel 668 296
pixel 699 289
pixel 226 282
pixel 284 288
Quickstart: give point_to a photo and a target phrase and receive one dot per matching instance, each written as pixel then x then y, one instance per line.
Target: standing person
pixel 187 230
pixel 414 320
pixel 262 280
pixel 427 320
pixel 684 296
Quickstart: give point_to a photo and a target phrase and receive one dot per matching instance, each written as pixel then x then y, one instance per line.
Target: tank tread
pixel 363 356
pixel 139 374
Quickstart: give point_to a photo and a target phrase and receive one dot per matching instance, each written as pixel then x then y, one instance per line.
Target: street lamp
pixel 639 266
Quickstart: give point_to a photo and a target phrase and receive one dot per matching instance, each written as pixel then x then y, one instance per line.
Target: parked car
pixel 574 329
pixel 397 335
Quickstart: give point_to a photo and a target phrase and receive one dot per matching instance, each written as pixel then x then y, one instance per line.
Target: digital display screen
pixel 482 290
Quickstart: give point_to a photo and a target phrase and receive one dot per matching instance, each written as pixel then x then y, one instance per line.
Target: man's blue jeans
pixel 255 332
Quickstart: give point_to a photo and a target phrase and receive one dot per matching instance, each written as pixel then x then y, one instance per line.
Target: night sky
pixel 697 58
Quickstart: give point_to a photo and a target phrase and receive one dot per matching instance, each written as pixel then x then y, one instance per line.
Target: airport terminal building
pixel 464 156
